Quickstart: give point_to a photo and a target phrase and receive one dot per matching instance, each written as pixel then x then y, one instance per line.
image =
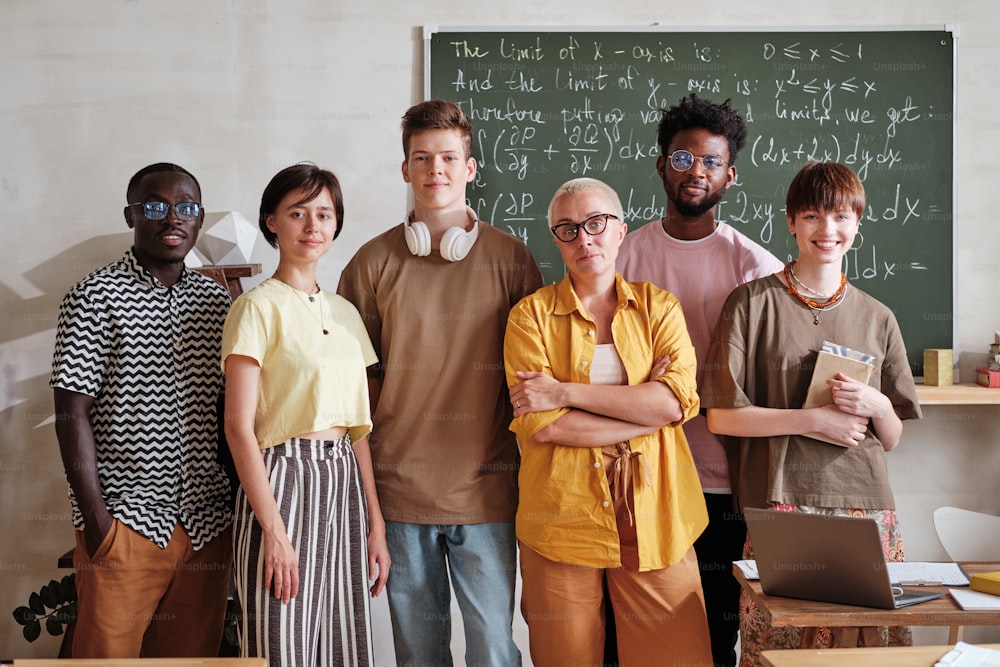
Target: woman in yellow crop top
pixel 297 421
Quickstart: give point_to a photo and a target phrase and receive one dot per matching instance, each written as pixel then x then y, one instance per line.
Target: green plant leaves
pixel 66 614
pixel 53 626
pixel 50 594
pixel 67 588
pixel 23 615
pixel 32 630
pixel 57 596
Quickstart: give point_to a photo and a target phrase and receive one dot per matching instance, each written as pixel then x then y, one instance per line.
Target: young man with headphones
pixel 435 292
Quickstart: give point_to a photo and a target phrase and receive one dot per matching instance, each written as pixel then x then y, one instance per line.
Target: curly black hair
pixel 697 112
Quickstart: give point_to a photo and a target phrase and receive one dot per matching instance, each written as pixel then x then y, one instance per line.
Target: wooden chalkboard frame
pixel 910 268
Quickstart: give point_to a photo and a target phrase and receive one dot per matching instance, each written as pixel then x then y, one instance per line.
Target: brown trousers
pixel 137 600
pixel 659 615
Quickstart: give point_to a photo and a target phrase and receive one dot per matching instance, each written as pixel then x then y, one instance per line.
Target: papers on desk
pixel 974 600
pixel 967 655
pixel 748 568
pixel 919 573
pixel 914 573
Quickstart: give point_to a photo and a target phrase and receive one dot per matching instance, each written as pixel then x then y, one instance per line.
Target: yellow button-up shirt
pixel 565 511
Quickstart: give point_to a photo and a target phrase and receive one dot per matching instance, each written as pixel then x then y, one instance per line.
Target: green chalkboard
pixel 548 106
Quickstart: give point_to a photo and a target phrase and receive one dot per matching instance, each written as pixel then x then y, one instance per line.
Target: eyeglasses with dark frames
pixel 158 210
pixel 594 225
pixel 682 160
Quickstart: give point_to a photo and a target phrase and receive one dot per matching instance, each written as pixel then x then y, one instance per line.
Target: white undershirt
pixel 607 367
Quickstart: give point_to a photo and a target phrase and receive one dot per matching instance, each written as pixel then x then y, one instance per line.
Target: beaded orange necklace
pixel 815 306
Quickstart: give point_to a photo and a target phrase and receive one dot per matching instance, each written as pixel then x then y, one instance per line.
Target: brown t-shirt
pixel 440 444
pixel 762 353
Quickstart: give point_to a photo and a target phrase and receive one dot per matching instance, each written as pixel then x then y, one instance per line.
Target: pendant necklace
pixel 816 307
pixel 312 299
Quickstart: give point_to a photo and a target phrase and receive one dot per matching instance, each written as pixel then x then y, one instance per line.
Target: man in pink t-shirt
pixel 701 259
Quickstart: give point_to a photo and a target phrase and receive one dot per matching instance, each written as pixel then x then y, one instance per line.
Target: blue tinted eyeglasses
pixel 157 210
pixel 682 160
pixel 593 225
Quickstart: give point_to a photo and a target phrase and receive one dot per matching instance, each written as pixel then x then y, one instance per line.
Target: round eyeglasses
pixel 682 160
pixel 593 225
pixel 157 210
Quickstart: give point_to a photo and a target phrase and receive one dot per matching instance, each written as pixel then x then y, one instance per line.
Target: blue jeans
pixel 482 560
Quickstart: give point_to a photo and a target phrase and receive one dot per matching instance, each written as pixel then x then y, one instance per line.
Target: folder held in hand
pixel 833 359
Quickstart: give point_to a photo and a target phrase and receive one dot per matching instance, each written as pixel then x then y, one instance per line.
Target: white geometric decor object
pixel 226 238
pixel 195 259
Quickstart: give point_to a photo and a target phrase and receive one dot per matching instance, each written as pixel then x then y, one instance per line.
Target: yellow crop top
pixel 309 381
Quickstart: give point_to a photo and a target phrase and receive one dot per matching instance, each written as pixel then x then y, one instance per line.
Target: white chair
pixel 967 536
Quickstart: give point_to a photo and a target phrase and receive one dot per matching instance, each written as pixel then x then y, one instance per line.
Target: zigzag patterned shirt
pixel 149 355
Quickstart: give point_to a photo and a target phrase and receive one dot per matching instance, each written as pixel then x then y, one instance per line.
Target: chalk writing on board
pixel 550 106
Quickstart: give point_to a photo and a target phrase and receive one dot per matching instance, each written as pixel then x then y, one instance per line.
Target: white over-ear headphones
pixel 455 244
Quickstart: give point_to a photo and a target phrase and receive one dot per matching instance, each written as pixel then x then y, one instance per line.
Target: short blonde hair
pixel 576 185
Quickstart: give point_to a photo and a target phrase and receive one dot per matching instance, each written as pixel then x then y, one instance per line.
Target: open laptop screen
pixel 824 558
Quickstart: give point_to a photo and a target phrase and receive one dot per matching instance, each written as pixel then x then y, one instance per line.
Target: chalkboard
pixel 550 106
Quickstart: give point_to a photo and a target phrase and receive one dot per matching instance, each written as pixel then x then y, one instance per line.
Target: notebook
pixel 970 600
pixel 833 359
pixel 825 558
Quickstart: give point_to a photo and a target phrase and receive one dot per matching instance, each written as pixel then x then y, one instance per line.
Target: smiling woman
pixel 759 367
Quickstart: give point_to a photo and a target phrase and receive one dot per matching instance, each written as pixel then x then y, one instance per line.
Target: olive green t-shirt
pixel 762 353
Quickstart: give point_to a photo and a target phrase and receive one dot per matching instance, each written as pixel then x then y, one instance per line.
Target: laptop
pixel 825 558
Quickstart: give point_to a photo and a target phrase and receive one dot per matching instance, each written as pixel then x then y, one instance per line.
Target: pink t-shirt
pixel 701 274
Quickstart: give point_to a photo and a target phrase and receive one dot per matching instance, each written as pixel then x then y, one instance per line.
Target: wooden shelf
pixel 228 275
pixel 965 393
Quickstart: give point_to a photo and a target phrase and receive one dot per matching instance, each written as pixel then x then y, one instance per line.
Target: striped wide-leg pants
pixel 321 500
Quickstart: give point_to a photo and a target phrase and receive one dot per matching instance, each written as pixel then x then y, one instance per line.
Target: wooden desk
pixel 857 626
pixel 904 656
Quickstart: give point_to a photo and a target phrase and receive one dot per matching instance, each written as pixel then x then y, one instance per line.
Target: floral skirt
pixel 757 635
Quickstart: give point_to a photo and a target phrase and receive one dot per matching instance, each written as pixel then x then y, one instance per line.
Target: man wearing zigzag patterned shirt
pixel 136 378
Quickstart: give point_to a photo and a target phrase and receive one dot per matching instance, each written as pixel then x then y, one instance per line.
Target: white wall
pixel 234 91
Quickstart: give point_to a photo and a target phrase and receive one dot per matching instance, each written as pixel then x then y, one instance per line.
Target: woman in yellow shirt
pixel 297 421
pixel 602 375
